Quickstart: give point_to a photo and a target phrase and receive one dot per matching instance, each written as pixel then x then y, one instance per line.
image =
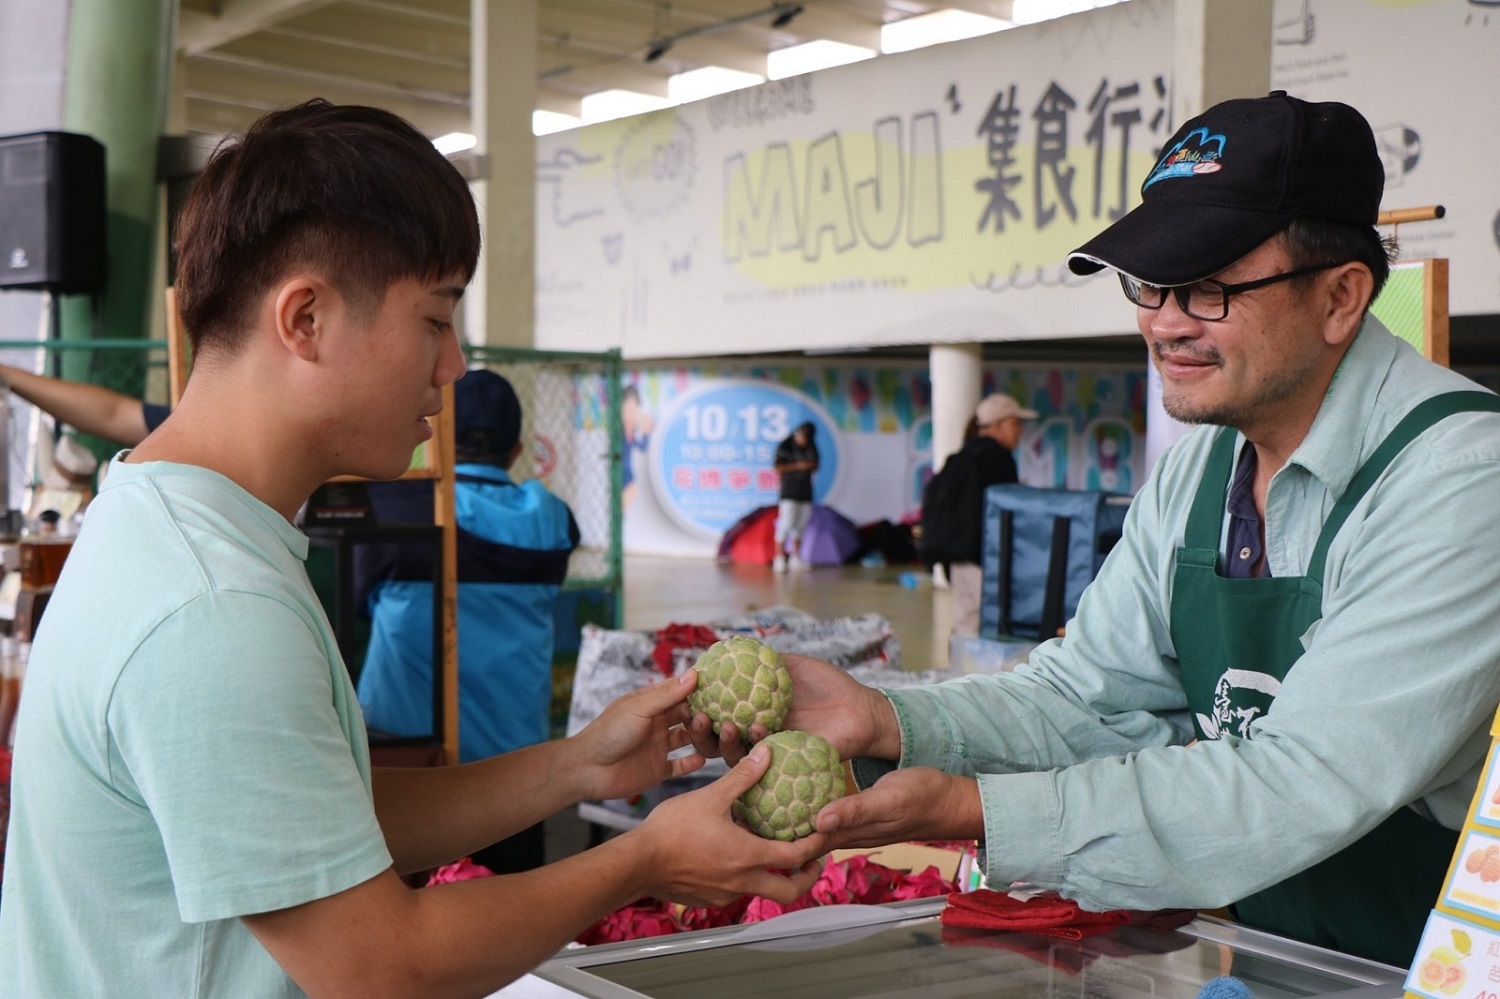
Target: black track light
pixel 658 49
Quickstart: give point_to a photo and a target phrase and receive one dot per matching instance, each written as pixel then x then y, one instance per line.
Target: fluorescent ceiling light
pixel 1032 11
pixel 936 28
pixel 812 56
pixel 608 105
pixel 454 142
pixel 696 84
pixel 547 122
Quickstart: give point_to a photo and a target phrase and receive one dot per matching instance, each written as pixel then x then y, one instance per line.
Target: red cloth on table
pixel 680 636
pixel 1049 915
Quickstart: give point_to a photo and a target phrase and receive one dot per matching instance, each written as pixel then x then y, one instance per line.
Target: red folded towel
pixel 1049 915
pixel 680 636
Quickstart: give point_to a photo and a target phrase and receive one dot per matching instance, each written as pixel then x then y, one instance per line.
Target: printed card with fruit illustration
pixel 1460 950
pixel 1454 959
pixel 1487 802
pixel 1474 882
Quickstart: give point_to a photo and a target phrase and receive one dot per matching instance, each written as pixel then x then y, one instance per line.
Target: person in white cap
pixel 953 508
pixel 1277 694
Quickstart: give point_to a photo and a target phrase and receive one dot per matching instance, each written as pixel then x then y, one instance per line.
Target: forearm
pixel 379 938
pixel 430 816
pixel 382 939
pixel 93 409
pixel 477 935
pixel 1407 633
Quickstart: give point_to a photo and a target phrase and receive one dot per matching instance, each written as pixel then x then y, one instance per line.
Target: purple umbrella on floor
pixel 830 538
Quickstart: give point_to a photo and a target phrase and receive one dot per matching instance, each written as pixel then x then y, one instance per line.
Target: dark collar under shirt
pixel 1243 555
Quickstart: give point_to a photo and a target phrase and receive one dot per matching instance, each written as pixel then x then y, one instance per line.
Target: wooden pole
pixel 444 517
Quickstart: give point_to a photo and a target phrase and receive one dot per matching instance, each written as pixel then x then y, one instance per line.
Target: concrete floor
pixel 662 591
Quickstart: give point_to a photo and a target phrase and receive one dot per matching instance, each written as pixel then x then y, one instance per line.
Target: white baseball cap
pixel 997 407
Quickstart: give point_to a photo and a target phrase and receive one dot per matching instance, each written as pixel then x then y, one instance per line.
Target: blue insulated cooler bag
pixel 1041 548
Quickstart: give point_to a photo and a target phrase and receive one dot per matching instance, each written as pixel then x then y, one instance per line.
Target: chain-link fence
pixel 571 430
pixel 570 404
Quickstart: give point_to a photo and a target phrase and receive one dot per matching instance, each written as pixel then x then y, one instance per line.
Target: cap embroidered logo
pixel 1198 153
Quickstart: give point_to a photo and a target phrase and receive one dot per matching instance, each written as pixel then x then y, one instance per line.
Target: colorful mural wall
pixel 700 440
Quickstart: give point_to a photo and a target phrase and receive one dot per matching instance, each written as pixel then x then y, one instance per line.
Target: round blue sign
pixel 713 458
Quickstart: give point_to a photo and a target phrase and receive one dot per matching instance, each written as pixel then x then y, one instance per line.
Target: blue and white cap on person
pixel 1232 178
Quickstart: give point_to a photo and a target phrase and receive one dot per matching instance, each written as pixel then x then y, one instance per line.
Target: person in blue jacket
pixel 514 539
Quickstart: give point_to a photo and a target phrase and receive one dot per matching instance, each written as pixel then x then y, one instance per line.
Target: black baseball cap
pixel 1233 177
pixel 486 414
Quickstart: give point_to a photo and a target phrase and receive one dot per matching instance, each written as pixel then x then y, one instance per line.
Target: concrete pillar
pixel 500 309
pixel 957 373
pixel 119 58
pixel 1222 49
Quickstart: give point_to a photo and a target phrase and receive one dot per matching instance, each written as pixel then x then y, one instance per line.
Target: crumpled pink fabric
pixel 459 870
pixel 857 880
pixel 646 918
pixel 854 880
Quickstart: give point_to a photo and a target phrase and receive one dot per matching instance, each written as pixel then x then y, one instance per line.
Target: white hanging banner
pixel 930 196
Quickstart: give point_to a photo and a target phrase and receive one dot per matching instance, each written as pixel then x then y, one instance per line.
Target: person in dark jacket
pixel 999 420
pixel 796 462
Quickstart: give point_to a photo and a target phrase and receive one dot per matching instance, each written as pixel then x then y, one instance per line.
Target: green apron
pixel 1236 639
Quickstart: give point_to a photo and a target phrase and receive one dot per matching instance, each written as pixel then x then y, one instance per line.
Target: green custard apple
pixel 742 680
pixel 805 774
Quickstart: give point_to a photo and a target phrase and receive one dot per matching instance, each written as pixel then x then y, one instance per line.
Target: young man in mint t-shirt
pixel 194 810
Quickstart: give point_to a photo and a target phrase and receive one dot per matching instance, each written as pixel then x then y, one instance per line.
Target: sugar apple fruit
pixel 742 680
pixel 804 775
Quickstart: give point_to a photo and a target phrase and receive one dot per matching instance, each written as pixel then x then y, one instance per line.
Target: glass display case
pixel 902 950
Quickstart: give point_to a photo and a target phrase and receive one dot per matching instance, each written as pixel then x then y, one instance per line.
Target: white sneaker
pixel 778 564
pixel 795 562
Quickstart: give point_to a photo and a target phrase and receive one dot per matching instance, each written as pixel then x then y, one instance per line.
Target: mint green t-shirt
pixel 189 751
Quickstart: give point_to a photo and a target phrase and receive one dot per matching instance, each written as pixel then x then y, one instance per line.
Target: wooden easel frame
pixel 437 461
pixel 1432 337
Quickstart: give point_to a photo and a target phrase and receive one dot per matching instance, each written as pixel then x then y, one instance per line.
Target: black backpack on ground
pixel 951 504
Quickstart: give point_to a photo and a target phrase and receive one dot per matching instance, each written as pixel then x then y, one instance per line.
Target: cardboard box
pixel 909 857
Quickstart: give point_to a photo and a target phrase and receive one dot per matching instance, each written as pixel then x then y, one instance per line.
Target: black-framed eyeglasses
pixel 1208 299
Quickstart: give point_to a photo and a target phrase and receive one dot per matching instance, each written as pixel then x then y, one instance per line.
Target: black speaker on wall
pixel 52 213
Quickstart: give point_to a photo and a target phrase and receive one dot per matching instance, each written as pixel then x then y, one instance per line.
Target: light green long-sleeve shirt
pixel 1086 777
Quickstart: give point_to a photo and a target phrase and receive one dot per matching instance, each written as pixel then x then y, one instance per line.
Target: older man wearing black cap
pixel 1277 694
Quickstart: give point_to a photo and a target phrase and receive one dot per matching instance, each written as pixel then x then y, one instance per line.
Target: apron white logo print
pixel 1229 719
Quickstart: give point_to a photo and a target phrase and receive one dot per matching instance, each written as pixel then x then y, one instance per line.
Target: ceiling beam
pixel 365 47
pixel 387 31
pixel 707 50
pixel 999 9
pixel 313 56
pixel 228 81
pixel 198 33
pixel 618 75
pixel 455 12
pixel 558 101
pixel 822 22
